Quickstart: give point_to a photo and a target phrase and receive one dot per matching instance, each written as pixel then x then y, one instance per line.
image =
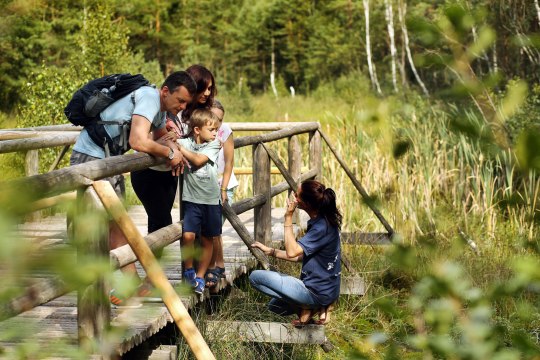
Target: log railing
pixel 81 177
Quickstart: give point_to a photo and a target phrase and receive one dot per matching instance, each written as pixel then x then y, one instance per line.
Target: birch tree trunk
pixel 273 71
pixel 537 10
pixel 393 52
pixel 371 66
pixel 402 10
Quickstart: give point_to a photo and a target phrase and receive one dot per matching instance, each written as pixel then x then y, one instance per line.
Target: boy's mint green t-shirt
pixel 201 184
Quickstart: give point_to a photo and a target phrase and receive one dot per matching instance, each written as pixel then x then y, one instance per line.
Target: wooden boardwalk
pixel 57 320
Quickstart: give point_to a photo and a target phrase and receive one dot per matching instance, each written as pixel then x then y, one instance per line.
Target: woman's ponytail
pixel 323 200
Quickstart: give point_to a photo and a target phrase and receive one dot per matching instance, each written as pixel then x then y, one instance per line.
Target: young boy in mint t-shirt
pixel 201 193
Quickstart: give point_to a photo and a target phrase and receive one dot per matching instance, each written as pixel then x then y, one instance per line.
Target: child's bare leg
pixel 188 238
pixel 206 256
pixel 218 252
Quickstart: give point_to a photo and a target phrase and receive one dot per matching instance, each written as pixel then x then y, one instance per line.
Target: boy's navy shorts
pixel 202 218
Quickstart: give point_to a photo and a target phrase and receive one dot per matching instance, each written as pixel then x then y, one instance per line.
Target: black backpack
pixel 95 96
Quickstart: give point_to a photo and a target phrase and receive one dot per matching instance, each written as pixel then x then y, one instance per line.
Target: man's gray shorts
pixel 117 181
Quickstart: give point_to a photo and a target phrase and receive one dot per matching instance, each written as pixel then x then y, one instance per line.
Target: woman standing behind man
pixel 320 252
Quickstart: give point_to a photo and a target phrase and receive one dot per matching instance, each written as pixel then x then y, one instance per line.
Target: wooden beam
pixel 262 185
pixel 249 171
pixel 315 153
pixel 38 142
pixel 52 201
pixel 267 332
pixel 124 255
pixel 281 166
pixel 172 301
pixel 39 129
pixel 59 158
pixel 295 166
pixel 357 185
pixel 76 176
pixel 241 230
pixel 264 126
pixel 276 135
pixel 93 307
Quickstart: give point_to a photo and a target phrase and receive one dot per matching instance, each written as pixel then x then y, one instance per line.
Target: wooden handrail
pixel 275 135
pixel 78 176
pixel 24 139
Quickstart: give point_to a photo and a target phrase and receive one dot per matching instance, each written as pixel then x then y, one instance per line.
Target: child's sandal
pixel 189 275
pixel 199 285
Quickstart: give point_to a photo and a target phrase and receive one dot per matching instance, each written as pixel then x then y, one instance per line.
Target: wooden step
pixel 267 332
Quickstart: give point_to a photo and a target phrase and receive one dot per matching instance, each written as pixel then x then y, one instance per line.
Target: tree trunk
pixel 273 72
pixel 393 51
pixel 402 10
pixel 537 10
pixel 371 66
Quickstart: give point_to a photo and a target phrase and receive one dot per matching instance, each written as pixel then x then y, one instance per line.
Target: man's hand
pixel 169 136
pixel 176 164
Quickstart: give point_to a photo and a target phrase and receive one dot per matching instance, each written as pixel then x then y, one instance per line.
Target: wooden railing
pixel 43 187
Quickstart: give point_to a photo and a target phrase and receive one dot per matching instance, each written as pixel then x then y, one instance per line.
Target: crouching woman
pixel 320 252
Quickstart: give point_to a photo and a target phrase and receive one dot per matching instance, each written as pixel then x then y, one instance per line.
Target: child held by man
pixel 201 194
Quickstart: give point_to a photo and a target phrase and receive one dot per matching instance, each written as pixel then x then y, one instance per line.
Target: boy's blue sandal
pixel 199 285
pixel 189 275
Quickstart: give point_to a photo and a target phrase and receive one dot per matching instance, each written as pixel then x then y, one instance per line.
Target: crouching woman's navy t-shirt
pixel 321 265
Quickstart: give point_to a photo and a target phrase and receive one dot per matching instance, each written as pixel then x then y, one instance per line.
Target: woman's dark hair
pixel 322 199
pixel 202 77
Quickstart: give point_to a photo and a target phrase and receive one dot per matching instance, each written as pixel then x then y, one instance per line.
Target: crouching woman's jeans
pixel 288 293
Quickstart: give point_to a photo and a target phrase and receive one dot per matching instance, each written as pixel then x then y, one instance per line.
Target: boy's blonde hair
pixel 202 117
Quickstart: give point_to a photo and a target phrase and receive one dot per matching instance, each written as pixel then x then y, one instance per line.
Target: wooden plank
pixel 267 332
pixel 352 286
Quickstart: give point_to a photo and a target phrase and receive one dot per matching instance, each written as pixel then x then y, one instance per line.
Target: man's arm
pixel 140 141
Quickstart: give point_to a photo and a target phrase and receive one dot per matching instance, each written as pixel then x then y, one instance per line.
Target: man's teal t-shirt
pixel 147 105
pixel 201 184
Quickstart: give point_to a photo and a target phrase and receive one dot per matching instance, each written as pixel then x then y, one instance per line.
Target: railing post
pixel 262 185
pixel 31 167
pixel 315 153
pixel 92 239
pixel 295 165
